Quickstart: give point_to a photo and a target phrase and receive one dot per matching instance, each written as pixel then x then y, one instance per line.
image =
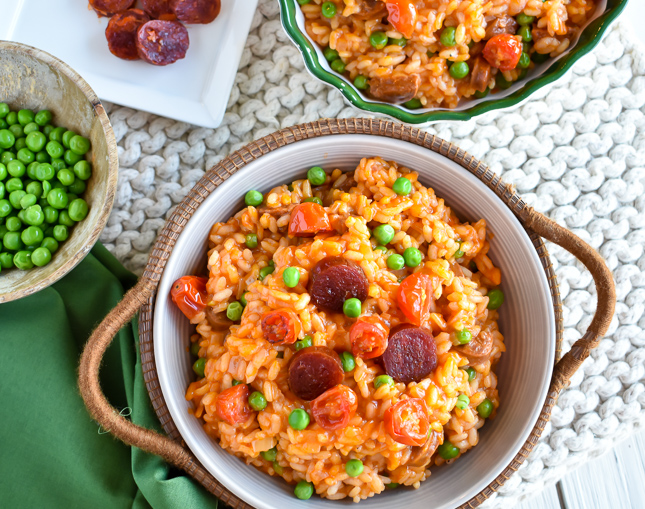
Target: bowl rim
pixel 594 31
pixel 166 241
pixel 113 166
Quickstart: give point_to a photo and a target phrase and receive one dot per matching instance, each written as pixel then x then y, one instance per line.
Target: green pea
pixel 28 200
pixel 398 42
pixel 354 467
pixel 481 95
pixel 381 248
pixel 313 199
pixel 59 164
pixel 15 197
pixel 291 276
pixel 361 82
pixel 257 401
pixel 383 234
pixel 392 486
pixel 32 235
pixel 35 188
pixel 525 61
pixel 501 82
pixel 50 243
pixel 47 130
pixel 64 219
pixel 12 118
pixel 378 40
pixel 252 198
pixel 6 260
pixel 459 253
pixel 57 134
pixel 25 156
pixel 71 158
pixel 43 117
pixel 2 190
pixel 41 257
pixel 21 215
pixel 462 402
pixel 251 240
pixel 402 186
pixel 7 138
pixel 17 130
pixel 199 366
pixel 5 208
pixel 4 110
pixel 330 54
pixel 45 171
pixel 383 380
pixel 395 262
pixel 54 149
pixel 16 168
pixel 3 171
pixel 12 241
pixel 57 198
pixel 60 232
pixel 77 187
pixel 79 145
pixel 78 209
pixel 525 33
pixel 22 260
pixel 459 70
pixel 243 299
pixel 463 336
pixel 495 298
pixel 328 9
pixel 30 128
pixel 447 37
pixel 471 373
pixel 270 455
pixel 304 490
pixel 298 419
pixel 412 257
pixel 316 176
pixel 338 65
pixel 43 157
pixel 265 271
pixel 25 116
pixel 67 138
pixel 234 311
pixel 7 156
pixel 305 342
pixel 13 224
pixel 485 408
pixel 352 307
pixel 524 19
pixel 20 143
pixel 236 382
pixel 413 104
pixel 448 451
pixel 348 361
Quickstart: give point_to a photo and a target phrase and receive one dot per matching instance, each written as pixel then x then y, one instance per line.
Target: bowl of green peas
pixel 58 169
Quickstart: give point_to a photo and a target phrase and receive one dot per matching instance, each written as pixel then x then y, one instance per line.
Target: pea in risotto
pixel 346 334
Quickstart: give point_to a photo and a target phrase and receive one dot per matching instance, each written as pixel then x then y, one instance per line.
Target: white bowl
pixel 526 320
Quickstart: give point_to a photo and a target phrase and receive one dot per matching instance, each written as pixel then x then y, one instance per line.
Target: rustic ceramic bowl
pixel 36 80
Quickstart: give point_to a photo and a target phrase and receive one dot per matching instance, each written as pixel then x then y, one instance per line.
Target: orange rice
pixel 420 219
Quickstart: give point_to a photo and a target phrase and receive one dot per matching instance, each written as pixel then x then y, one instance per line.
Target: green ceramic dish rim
pixel 589 39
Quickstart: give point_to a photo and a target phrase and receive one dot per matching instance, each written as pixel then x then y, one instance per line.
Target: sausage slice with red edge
pixel 334 280
pixel 313 370
pixel 479 349
pixel 159 9
pixel 162 42
pixel 121 33
pixel 196 11
pixel 411 353
pixel 110 7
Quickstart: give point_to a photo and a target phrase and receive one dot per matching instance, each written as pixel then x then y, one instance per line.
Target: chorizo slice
pixel 480 77
pixel 503 25
pixel 218 321
pixel 370 9
pixel 334 280
pixel 314 370
pixel 422 455
pixel 395 89
pixel 196 11
pixel 121 33
pixel 411 353
pixel 479 349
pixel 110 7
pixel 159 9
pixel 162 42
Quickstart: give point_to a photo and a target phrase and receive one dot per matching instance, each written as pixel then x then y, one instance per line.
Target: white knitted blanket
pixel 576 151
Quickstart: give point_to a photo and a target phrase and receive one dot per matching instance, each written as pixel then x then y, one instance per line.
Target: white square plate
pixel 194 89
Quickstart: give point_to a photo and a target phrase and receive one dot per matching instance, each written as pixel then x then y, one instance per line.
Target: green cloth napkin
pixel 51 452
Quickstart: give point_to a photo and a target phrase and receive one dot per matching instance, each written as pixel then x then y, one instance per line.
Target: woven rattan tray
pixel 142 297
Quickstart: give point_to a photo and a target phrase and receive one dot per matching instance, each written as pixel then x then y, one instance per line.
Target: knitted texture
pixel 574 151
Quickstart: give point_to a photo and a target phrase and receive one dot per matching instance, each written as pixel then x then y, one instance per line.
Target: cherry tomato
pixel 402 14
pixel 416 297
pixel 232 405
pixel 190 295
pixel 334 408
pixel 280 327
pixel 369 337
pixel 308 219
pixel 408 422
pixel 503 51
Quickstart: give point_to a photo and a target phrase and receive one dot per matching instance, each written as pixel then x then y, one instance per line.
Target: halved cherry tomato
pixel 408 422
pixel 308 219
pixel 369 337
pixel 280 327
pixel 503 51
pixel 190 295
pixel 334 408
pixel 403 16
pixel 232 405
pixel 416 297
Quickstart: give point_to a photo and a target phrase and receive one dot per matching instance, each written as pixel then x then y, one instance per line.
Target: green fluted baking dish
pixel 293 23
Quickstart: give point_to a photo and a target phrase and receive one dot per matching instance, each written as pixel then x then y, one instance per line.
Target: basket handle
pixel 99 407
pixel 590 258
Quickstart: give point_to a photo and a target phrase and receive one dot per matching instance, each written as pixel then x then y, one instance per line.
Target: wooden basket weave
pixel 142 297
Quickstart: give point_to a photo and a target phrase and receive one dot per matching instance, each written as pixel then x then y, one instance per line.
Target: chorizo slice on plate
pixel 110 7
pixel 196 11
pixel 334 280
pixel 314 370
pixel 121 33
pixel 395 89
pixel 411 353
pixel 159 9
pixel 162 42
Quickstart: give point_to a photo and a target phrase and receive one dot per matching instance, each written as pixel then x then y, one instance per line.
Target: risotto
pixel 346 334
pixel 432 53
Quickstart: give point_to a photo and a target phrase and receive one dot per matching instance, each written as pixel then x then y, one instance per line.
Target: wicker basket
pixel 141 297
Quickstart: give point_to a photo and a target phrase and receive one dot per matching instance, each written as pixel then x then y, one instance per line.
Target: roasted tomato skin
pixel 415 297
pixel 308 219
pixel 402 14
pixel 369 336
pixel 407 422
pixel 232 405
pixel 334 408
pixel 190 295
pixel 503 51
pixel 281 326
